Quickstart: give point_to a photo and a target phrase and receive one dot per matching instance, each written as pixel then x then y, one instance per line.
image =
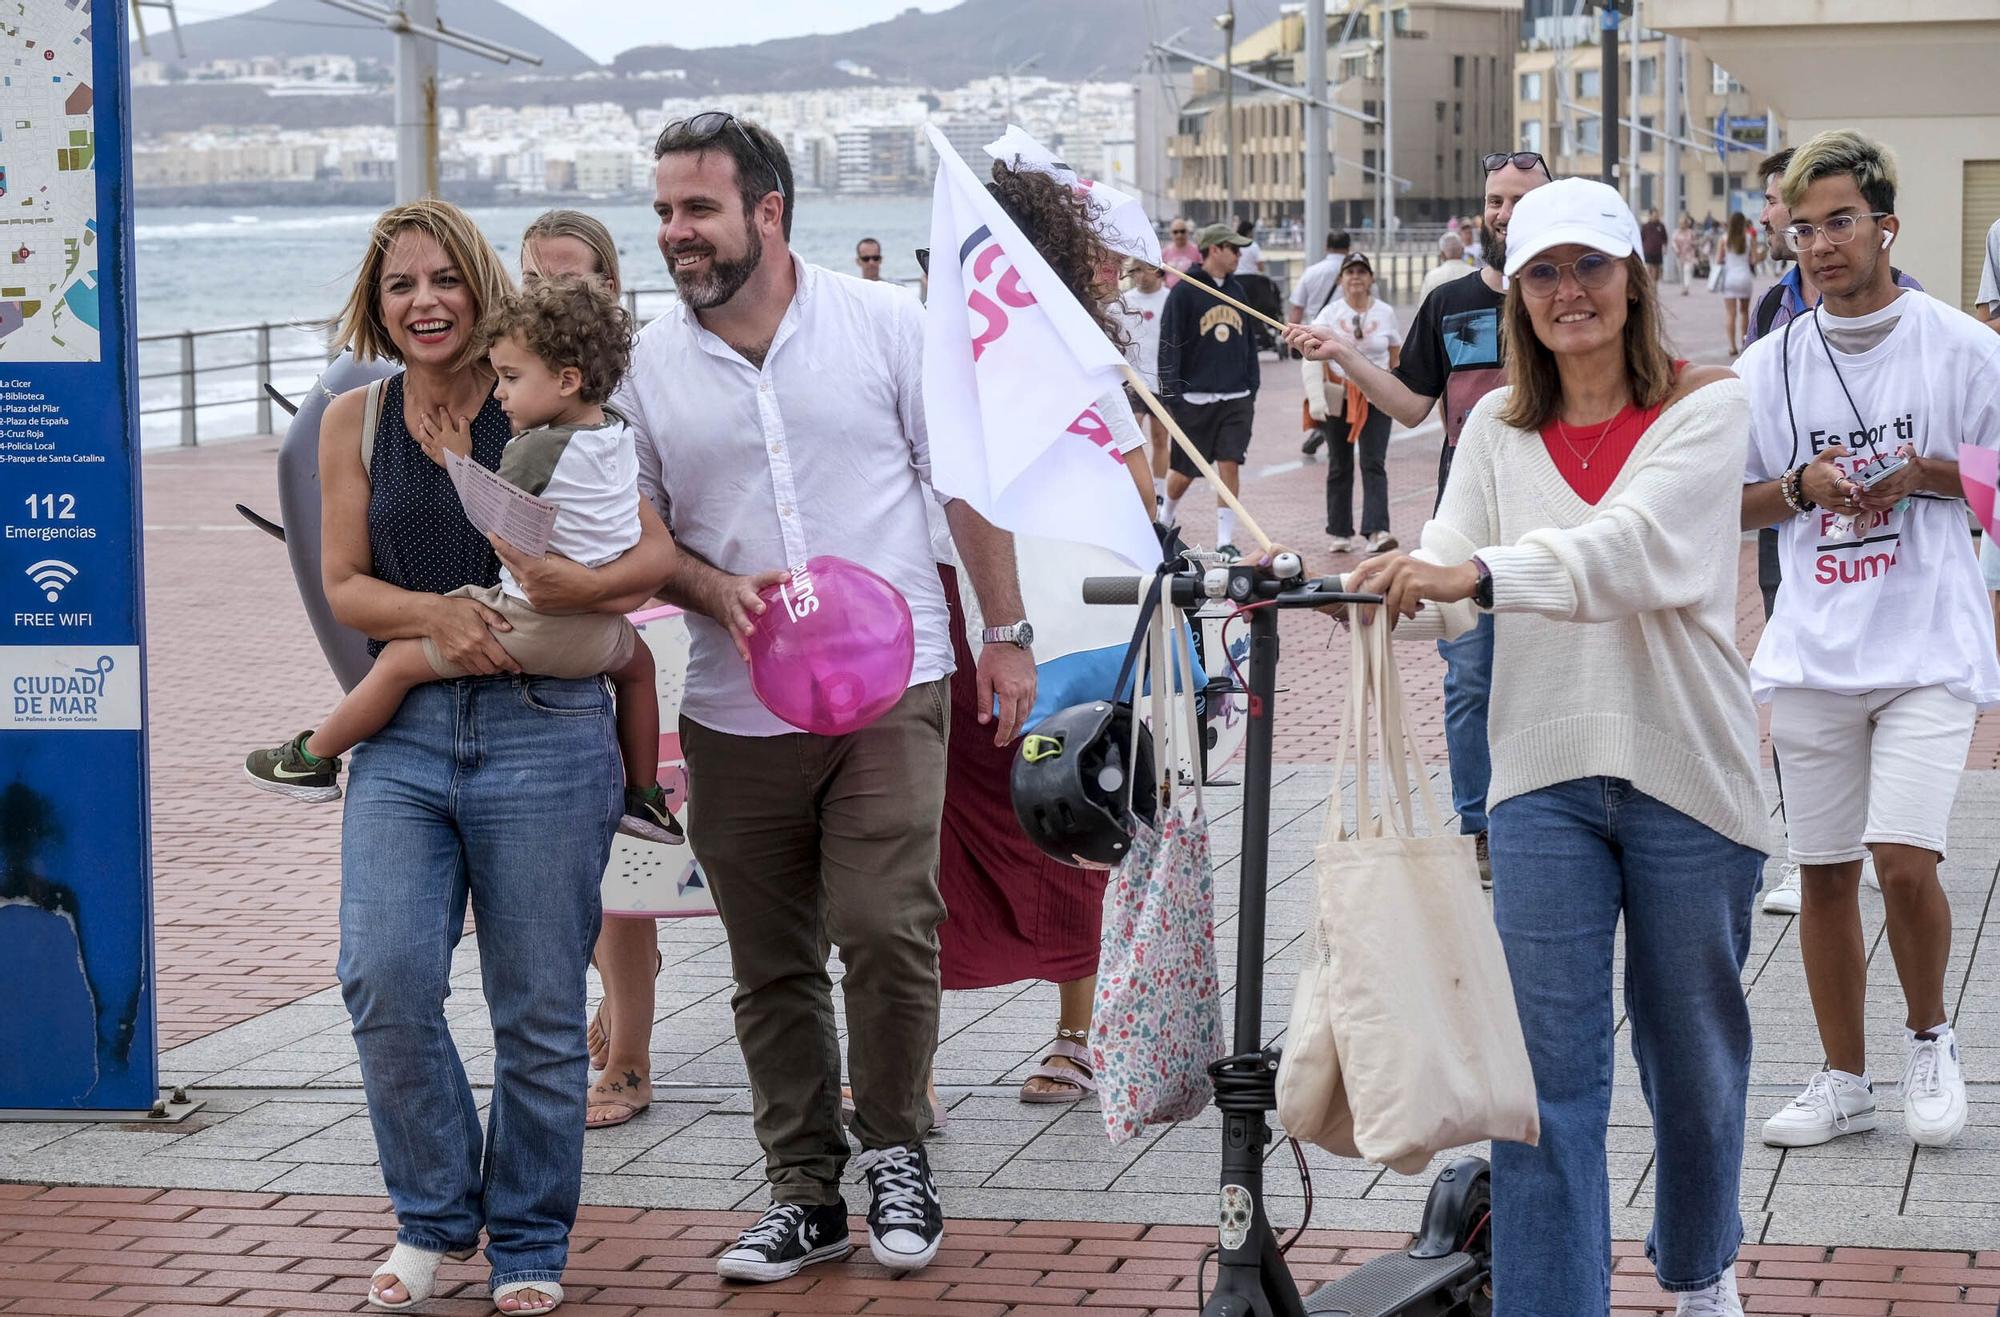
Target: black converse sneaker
pixel 788 1238
pixel 905 1219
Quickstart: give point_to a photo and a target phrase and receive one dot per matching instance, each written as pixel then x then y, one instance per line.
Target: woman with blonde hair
pixel 437 816
pixel 570 242
pixel 1593 509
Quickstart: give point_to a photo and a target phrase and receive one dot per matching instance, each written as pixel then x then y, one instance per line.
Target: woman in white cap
pixel 1592 508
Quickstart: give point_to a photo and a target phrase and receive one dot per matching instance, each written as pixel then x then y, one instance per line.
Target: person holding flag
pixel 1015 913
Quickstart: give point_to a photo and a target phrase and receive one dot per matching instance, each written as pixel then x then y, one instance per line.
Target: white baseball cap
pixel 1570 210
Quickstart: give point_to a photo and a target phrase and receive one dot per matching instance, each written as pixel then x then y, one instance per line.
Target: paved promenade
pixel 269 1199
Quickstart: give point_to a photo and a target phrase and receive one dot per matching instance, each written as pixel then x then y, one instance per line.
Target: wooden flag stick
pixel 1222 491
pixel 1221 296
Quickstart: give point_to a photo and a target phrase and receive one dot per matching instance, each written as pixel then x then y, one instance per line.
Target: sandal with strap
pixel 1070 1045
pixel 548 1287
pixel 415 1269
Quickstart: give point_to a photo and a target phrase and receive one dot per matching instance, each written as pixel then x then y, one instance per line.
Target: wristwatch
pixel 1019 634
pixel 1482 593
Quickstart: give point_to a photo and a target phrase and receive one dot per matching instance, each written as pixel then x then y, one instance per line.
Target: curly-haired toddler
pixel 558 348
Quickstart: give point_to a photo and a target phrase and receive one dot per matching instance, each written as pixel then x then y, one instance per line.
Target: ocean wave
pixel 241 226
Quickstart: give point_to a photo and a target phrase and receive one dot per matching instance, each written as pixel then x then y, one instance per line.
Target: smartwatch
pixel 1020 635
pixel 1482 593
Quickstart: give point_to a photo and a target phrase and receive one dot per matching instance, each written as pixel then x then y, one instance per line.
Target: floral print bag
pixel 1156 1024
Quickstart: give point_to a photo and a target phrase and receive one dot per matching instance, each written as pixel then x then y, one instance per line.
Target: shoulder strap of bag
pixel 1767 307
pixel 1375 701
pixel 1353 746
pixel 371 416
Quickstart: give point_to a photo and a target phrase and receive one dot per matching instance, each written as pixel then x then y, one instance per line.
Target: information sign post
pixel 76 959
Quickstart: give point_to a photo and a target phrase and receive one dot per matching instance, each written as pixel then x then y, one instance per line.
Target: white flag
pixel 1013 368
pixel 1121 221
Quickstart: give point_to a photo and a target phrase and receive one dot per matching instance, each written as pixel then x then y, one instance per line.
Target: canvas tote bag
pixel 1404 1040
pixel 1156 1022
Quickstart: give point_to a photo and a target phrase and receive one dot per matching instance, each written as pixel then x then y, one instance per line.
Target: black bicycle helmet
pixel 1070 781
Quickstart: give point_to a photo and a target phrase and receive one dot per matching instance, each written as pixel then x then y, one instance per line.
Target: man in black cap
pixel 1209 374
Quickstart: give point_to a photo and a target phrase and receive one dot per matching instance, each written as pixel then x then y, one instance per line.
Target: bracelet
pixel 1792 486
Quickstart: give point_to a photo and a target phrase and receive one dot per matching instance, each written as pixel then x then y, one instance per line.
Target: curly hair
pixel 567 320
pixel 1059 221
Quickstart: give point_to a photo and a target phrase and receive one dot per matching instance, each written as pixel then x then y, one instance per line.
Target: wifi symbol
pixel 50 575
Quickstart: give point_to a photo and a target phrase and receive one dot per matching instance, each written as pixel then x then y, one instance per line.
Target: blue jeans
pixel 1468 682
pixel 1567 861
pixel 505 791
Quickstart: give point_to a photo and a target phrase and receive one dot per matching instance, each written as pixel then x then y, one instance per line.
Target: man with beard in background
pixel 779 414
pixel 1452 352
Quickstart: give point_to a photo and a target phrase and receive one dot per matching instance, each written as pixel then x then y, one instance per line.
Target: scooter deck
pixel 1396 1285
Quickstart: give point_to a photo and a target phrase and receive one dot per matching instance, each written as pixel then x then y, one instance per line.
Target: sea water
pixel 292 267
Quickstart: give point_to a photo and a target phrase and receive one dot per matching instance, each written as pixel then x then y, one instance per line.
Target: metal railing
pixel 230 369
pixel 227 371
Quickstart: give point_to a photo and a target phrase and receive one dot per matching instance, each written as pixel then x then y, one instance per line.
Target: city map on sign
pixel 48 183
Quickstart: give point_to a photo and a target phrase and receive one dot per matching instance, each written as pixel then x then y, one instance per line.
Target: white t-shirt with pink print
pixel 1897 600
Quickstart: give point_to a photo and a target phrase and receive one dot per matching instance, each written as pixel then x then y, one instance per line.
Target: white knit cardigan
pixel 1615 630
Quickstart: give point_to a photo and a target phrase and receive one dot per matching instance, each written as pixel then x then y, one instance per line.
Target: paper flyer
pixel 498 508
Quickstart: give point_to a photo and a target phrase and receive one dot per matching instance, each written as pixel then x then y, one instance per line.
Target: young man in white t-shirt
pixel 1879 653
pixel 1139 308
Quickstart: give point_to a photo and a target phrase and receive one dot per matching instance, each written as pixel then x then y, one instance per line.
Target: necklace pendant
pixel 1586 466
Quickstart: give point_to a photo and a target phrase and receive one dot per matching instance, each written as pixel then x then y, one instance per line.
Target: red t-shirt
pixel 1589 457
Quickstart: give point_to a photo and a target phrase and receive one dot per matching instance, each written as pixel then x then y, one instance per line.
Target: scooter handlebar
pixel 1187 590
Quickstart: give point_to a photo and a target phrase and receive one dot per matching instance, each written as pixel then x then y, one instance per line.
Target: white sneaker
pixel 1784 898
pixel 1827 1109
pixel 1934 1089
pixel 1718 1300
pixel 1346 544
pixel 1381 542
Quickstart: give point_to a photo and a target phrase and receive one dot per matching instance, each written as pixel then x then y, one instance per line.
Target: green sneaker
pixel 646 817
pixel 285 771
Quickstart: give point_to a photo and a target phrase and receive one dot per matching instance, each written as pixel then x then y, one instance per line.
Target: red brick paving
pixel 127 1252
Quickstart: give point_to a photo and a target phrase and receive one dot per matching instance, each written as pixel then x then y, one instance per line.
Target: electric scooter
pixel 1446 1272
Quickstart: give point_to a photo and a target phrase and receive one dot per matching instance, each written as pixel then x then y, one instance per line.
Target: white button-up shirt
pixel 821 451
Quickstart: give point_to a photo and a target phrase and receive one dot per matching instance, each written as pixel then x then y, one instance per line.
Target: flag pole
pixel 1220 296
pixel 1222 491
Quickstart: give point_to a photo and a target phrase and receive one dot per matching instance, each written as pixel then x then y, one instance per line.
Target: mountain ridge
pixel 306 27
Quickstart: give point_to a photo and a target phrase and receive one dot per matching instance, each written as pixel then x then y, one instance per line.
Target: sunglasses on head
pixel 699 130
pixel 1519 159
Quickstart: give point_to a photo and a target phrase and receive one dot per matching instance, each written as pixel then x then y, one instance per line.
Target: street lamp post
pixel 1227 22
pixel 1608 19
pixel 1315 161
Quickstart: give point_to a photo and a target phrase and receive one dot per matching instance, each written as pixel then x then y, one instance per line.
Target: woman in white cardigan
pixel 1593 507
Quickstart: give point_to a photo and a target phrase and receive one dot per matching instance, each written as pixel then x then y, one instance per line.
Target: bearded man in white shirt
pixel 779 415
pixel 1878 654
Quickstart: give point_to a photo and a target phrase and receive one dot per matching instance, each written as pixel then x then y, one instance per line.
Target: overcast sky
pixel 604 27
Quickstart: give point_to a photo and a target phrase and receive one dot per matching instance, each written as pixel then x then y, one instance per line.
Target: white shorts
pixel 1863 769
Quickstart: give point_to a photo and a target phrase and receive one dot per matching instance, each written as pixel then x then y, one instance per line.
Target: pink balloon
pixel 833 649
